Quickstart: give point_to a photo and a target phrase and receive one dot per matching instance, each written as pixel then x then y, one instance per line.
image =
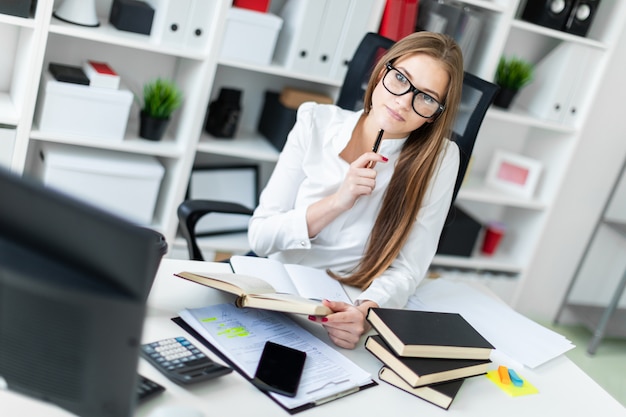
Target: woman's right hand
pixel 360 180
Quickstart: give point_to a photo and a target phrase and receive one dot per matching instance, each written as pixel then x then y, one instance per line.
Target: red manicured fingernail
pixel 385 159
pixel 312 318
pixel 324 319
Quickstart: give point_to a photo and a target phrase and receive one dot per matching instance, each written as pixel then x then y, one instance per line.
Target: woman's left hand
pixel 347 323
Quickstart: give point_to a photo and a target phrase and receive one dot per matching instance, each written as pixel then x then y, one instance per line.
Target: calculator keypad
pixel 181 361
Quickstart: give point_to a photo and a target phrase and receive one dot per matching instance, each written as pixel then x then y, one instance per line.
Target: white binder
pixel 175 22
pixel 335 18
pixel 556 84
pixel 197 28
pixel 363 16
pixel 320 36
pixel 298 36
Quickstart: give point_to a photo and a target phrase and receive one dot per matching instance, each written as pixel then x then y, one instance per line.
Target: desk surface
pixel 564 389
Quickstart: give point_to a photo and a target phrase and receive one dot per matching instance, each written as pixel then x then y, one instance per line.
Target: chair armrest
pixel 191 211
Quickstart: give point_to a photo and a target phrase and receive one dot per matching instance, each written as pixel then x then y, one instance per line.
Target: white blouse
pixel 309 168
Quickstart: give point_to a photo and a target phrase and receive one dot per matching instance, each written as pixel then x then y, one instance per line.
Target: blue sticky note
pixel 515 379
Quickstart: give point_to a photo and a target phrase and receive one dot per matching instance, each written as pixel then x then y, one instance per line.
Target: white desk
pixel 564 390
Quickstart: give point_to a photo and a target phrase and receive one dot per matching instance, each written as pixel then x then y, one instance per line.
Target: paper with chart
pixel 292 279
pixel 240 334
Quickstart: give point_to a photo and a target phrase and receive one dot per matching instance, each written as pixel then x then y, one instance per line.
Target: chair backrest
pixel 476 98
pixel 369 51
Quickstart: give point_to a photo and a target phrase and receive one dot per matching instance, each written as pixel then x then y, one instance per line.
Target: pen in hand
pixel 376 144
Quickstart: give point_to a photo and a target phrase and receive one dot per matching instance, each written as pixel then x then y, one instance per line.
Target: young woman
pixel 372 219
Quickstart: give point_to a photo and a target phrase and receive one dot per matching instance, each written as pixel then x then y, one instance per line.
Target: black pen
pixel 379 138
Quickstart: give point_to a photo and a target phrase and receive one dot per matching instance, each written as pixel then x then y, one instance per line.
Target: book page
pixel 240 334
pixel 233 283
pixel 268 270
pixel 316 284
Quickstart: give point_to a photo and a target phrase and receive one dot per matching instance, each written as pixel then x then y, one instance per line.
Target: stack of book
pixel 427 354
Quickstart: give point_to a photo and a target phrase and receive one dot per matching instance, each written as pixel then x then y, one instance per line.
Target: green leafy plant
pixel 160 98
pixel 514 73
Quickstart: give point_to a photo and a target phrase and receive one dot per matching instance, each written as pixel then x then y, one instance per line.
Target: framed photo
pixel 513 173
pixel 238 184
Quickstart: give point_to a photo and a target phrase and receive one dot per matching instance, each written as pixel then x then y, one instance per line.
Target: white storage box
pixel 82 110
pixel 124 184
pixel 250 36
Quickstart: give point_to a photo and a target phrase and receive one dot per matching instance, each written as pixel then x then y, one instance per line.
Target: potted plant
pixel 511 75
pixel 160 98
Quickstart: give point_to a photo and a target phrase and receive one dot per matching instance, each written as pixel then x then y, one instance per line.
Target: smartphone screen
pixel 280 369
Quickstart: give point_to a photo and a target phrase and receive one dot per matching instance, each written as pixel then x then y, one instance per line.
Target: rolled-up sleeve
pixel 393 288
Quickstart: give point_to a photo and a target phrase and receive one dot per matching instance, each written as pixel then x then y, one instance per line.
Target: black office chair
pixel 477 95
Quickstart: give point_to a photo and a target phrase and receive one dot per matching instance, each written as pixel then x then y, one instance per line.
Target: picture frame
pixel 232 183
pixel 514 174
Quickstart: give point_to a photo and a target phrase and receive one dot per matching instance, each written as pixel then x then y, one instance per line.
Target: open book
pixel 267 284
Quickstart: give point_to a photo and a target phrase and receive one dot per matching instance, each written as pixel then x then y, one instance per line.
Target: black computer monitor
pixel 73 287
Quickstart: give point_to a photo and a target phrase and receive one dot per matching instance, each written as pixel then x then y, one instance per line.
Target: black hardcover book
pixel 68 73
pixel 429 334
pixel 425 371
pixel 441 394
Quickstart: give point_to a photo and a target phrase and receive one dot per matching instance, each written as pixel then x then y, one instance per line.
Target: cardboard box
pixel 124 184
pixel 250 36
pixel 75 109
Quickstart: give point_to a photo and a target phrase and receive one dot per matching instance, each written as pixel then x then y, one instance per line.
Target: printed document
pixel 240 334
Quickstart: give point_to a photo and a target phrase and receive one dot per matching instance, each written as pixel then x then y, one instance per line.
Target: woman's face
pixel 395 114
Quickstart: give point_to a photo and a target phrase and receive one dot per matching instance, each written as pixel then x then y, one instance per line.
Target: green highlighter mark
pixel 234 332
pixel 209 319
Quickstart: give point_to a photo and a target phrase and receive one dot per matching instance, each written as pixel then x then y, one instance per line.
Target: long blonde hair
pixel 418 158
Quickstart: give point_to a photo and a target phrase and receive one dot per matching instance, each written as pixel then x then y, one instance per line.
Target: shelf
pixel 497 263
pixel 132 144
pixel 8 112
pixel 107 33
pixel 557 34
pixel 475 189
pixel 279 71
pixel 485 4
pixel 523 118
pixel 25 22
pixel 618 226
pixel 245 145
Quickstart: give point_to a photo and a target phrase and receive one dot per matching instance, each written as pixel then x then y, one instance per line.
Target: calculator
pixel 146 388
pixel 182 362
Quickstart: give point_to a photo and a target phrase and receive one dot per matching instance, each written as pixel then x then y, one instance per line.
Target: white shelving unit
pixel 138 58
pixel 36 41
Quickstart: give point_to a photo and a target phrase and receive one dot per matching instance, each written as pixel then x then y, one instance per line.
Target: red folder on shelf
pixel 399 18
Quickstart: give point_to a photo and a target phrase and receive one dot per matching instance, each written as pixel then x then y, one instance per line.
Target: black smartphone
pixel 279 369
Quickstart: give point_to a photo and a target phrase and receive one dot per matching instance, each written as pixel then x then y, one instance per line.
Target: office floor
pixel 607 367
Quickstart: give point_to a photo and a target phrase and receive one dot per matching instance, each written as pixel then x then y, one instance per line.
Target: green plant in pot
pixel 160 98
pixel 511 75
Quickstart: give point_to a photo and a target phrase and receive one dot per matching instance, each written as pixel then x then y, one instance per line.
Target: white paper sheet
pixel 512 334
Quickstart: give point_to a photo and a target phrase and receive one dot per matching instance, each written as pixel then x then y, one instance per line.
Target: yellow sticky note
pixel 511 389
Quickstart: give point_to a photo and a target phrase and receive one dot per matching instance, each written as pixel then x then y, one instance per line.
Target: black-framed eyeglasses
pixel 398 84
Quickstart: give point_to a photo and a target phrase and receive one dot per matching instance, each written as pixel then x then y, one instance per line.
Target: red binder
pixel 399 18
